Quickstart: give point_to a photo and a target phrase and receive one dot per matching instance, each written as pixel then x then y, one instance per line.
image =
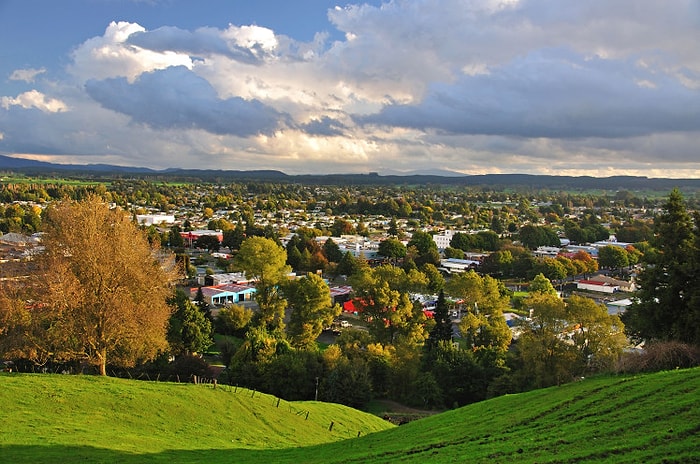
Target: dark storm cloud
pixel 175 98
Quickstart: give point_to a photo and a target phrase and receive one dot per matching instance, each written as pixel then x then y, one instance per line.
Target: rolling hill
pixel 629 419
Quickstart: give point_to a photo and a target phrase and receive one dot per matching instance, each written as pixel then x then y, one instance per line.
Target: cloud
pixel 112 56
pixel 324 126
pixel 26 75
pixel 177 98
pixel 478 86
pixel 552 94
pixel 34 99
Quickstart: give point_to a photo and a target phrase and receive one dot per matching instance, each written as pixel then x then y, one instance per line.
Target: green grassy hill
pixel 644 418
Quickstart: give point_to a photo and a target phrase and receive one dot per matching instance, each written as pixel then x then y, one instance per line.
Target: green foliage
pixel 564 339
pixel 382 294
pixel 189 330
pixel 442 331
pixel 473 290
pixel 391 248
pixel 309 299
pixel 668 301
pixel 613 257
pixel 332 251
pixel 535 236
pixel 233 320
pixel 541 284
pixel 349 383
pixel 264 261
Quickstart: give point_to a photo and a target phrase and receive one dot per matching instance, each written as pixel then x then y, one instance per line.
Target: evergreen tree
pixel 443 324
pixel 667 307
pixel 202 304
pixel 332 251
pixel 189 330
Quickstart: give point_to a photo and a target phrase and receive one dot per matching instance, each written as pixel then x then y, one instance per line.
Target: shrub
pixel 659 356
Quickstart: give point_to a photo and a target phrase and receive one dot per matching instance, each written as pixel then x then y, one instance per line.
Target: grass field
pixel 628 419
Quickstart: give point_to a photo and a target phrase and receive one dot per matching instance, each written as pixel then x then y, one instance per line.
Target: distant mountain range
pixel 535 182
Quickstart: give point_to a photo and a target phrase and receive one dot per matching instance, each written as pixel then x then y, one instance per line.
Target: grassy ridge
pixel 44 416
pixel 632 419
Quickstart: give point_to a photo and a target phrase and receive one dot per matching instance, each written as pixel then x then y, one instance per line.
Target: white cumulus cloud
pixel 34 99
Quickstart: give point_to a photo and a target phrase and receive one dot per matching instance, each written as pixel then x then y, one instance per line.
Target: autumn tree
pixel 264 261
pixel 311 310
pixel 98 291
pixel 385 304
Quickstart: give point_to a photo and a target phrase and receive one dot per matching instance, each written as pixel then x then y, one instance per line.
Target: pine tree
pixel 666 308
pixel 443 323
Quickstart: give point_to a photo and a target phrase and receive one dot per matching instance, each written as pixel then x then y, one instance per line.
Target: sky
pixel 558 87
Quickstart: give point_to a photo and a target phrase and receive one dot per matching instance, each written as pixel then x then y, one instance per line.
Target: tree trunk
pixel 103 361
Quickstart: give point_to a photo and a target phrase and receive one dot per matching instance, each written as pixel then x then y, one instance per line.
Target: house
pixel 455 266
pixel 619 306
pixel 215 280
pixel 226 294
pixel 596 286
pixel 155 219
pixel 623 285
pixel 192 235
pixel 340 294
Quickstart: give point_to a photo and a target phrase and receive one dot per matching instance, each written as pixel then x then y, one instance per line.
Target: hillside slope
pixel 630 419
pixel 49 418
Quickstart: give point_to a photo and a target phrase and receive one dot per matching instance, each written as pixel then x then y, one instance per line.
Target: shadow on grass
pixel 87 454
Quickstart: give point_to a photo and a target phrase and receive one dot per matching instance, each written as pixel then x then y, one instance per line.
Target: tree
pixel 391 248
pixel 427 251
pixel 332 251
pixel 348 265
pixel 541 284
pixel 443 324
pixel 264 261
pixel 310 301
pixel 598 336
pixel 233 319
pixel 99 290
pixel 436 281
pixel 535 236
pixel 584 262
pixel 202 304
pixel 547 358
pixel 189 331
pixel 613 257
pixel 484 293
pixel 384 303
pixel 551 268
pixel 667 307
pixel 208 242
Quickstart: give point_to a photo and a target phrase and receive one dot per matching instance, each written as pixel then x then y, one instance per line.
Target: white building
pixel 155 219
pixel 456 266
